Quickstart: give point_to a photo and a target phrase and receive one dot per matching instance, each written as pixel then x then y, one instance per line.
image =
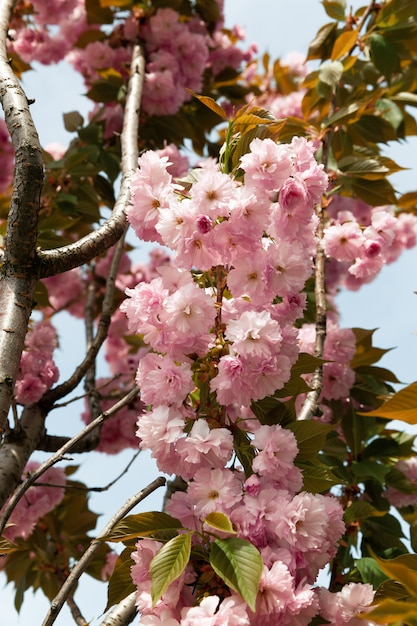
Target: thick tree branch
pixel 123 613
pixel 309 408
pixel 18 273
pixel 95 545
pixel 62 259
pixel 19 459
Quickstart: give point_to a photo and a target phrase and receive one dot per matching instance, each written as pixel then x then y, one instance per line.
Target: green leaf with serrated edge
pixel 370 571
pixel 317 478
pixel 360 510
pixel 310 436
pixel 154 524
pixel 331 73
pixel 239 564
pixel 401 406
pixel 168 564
pixel 373 192
pixel 219 521
pixel 384 55
pixel 363 470
pixel 120 583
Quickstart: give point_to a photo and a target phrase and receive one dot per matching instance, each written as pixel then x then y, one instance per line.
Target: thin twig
pixel 95 489
pixel 59 455
pixel 95 545
pixel 75 611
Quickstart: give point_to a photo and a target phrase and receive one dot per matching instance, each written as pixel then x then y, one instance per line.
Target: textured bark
pixel 18 273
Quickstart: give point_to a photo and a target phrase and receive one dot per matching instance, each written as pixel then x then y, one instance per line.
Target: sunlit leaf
pixel 211 104
pixel 403 569
pixel 401 406
pixel 360 510
pixel 344 44
pixel 6 546
pixel 393 611
pixel 168 564
pixel 219 521
pixel 155 524
pixel 335 9
pixel 239 564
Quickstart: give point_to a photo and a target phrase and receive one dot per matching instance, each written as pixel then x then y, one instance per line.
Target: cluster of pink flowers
pixel 38 371
pixel 48 33
pixel 359 240
pixel 230 330
pixel 37 501
pixel 398 498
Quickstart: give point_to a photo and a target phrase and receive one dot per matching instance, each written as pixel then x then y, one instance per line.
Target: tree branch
pixel 55 458
pixel 123 613
pixel 18 273
pixel 51 262
pixel 95 545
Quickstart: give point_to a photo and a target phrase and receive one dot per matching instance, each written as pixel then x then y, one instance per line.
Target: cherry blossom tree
pixel 264 188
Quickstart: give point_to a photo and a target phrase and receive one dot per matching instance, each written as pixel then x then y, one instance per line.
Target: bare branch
pixel 75 254
pixel 123 613
pixel 58 456
pixel 18 273
pixel 75 611
pixel 107 308
pixel 95 545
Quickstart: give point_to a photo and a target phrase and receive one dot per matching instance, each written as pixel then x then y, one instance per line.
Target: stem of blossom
pixel 94 546
pixel 59 455
pixel 123 613
pixel 18 272
pixel 221 276
pixel 51 262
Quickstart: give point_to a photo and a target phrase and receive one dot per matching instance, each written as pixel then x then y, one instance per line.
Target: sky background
pixel 388 304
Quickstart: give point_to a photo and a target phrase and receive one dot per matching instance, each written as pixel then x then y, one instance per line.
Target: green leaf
pixel 154 524
pixel 374 192
pixel 310 436
pixel 168 564
pixel 120 582
pixel 244 450
pixel 370 571
pixel 360 510
pixel 239 564
pixel 317 477
pixel 335 9
pixel 322 43
pixel 363 470
pixel 220 521
pixel 401 406
pixel 384 55
pixel 331 73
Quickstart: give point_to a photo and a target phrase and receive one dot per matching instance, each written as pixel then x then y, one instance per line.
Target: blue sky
pixel 278 26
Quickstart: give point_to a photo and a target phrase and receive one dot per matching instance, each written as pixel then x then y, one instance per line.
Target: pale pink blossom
pixel 214 490
pixel 162 381
pixel 204 447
